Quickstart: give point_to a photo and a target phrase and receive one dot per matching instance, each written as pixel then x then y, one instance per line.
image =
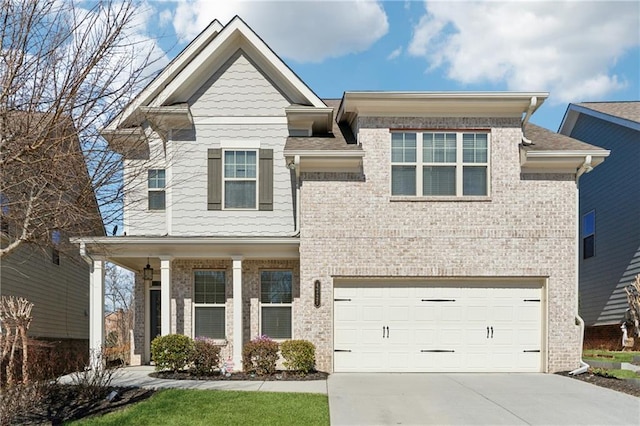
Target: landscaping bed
pixel 282 375
pixel 620 385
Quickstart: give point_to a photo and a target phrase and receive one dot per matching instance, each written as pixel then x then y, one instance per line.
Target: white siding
pixel 237 103
pixel 60 293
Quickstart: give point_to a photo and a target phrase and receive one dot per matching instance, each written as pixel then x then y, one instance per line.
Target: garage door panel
pixel 436 320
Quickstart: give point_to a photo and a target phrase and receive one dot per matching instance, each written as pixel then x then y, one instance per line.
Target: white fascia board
pixel 578 109
pixel 324 153
pixel 229 34
pixel 167 74
pixel 442 104
pixel 162 240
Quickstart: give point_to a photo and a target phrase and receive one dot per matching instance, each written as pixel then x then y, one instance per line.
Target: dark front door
pixel 155 326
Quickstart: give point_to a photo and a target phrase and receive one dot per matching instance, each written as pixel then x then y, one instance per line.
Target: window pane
pixel 156 200
pixel 589 224
pixel 276 322
pixel 439 147
pixel 209 287
pixel 403 147
pixel 156 178
pixel 403 180
pixel 229 164
pixel 474 181
pixel 240 194
pixel 276 287
pixel 210 322
pixel 439 180
pixel 474 147
pixel 589 247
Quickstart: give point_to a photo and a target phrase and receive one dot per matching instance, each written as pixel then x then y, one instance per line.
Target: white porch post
pixel 165 296
pixel 96 313
pixel 237 313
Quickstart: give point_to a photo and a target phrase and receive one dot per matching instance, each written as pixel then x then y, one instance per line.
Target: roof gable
pixel 625 114
pixel 196 63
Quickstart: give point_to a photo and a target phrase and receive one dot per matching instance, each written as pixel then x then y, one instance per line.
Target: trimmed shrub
pixel 206 356
pixel 259 356
pixel 299 355
pixel 171 352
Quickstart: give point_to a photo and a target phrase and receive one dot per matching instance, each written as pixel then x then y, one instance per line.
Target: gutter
pixel 586 167
pixel 525 120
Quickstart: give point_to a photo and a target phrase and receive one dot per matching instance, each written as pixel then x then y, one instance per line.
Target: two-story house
pixel 396 231
pixel 609 214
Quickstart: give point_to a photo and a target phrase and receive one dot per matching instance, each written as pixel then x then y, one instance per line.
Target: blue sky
pixel 578 51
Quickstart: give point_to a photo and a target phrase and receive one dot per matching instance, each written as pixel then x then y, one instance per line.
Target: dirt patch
pixel 624 386
pixel 280 375
pixel 67 402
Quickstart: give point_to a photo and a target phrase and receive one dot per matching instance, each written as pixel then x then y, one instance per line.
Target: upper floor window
pixel 56 240
pixel 156 185
pixel 276 295
pixel 240 179
pixel 589 235
pixel 4 213
pixel 209 304
pixel 440 164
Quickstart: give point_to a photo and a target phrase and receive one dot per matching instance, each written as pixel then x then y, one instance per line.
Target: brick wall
pixel 350 227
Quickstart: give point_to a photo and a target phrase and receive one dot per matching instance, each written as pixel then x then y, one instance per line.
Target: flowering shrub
pixel 299 355
pixel 206 356
pixel 259 356
pixel 171 352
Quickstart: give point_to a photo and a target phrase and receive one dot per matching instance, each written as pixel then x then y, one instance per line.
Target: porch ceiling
pixel 132 252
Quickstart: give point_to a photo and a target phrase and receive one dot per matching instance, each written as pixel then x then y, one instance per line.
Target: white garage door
pixel 425 328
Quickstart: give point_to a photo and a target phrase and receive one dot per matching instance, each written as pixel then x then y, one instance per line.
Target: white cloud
pixel 567 48
pixel 305 31
pixel 396 52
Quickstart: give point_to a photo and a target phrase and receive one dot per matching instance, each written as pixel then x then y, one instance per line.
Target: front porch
pixel 212 287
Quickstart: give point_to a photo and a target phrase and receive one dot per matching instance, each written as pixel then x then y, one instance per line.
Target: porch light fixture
pixel 147 272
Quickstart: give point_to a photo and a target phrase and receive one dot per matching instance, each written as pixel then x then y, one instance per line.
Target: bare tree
pixel 65 70
pixel 119 300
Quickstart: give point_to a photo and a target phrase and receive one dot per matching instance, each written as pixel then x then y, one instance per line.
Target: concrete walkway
pixel 474 399
pixel 139 377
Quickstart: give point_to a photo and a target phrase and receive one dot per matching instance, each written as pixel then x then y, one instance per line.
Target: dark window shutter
pixel 266 180
pixel 214 179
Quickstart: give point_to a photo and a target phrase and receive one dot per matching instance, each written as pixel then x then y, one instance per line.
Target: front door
pixel 155 314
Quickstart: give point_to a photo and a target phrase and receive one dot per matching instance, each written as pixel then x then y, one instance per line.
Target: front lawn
pixel 197 407
pixel 613 356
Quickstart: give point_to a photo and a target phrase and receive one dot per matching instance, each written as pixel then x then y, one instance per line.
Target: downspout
pixel 586 167
pixel 295 165
pixel 525 120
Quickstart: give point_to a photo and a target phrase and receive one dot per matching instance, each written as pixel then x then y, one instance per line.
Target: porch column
pixel 165 295
pixel 237 313
pixel 96 313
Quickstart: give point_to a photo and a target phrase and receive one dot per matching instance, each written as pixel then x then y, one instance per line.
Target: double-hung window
pixel 276 295
pixel 156 183
pixel 240 179
pixel 56 240
pixel 440 164
pixel 589 235
pixel 209 304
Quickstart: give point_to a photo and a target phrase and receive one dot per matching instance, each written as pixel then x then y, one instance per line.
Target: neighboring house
pixel 45 269
pixel 609 212
pixel 396 231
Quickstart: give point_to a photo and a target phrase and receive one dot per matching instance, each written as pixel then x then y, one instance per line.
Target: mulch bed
pixel 619 385
pixel 280 375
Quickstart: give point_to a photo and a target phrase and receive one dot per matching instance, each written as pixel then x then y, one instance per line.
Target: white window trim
pixel 163 189
pixel 256 179
pixel 459 165
pixel 195 305
pixel 277 305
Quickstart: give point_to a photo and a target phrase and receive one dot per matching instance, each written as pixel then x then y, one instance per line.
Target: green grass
pixel 617 356
pixel 197 407
pixel 618 374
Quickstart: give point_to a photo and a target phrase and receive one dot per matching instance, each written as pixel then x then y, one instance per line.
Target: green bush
pixel 171 352
pixel 299 355
pixel 259 356
pixel 206 356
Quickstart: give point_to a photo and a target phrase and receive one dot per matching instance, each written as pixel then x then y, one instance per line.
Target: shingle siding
pixel 613 191
pixel 354 229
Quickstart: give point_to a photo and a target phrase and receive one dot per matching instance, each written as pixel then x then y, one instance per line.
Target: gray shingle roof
pixel 546 140
pixel 342 139
pixel 627 110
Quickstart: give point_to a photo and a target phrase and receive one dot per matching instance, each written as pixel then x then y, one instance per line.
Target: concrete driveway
pixel 465 399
